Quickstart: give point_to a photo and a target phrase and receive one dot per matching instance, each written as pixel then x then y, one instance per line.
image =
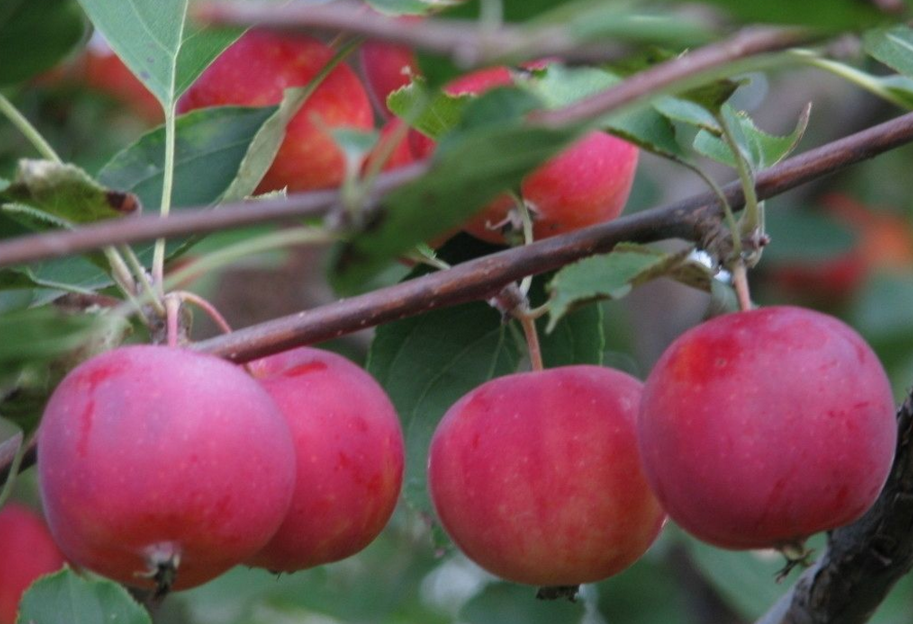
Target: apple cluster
pixel 163 467
pixel 754 430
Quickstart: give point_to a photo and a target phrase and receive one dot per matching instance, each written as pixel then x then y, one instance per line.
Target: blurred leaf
pixel 606 276
pixel 83 601
pixel 830 14
pixel 74 274
pixel 157 41
pixel 9 448
pixel 899 86
pixel 400 7
pixel 210 148
pixel 560 86
pixel 66 193
pixel 439 112
pixel 506 603
pixel 761 149
pixel 426 363
pixel 893 47
pixel 35 35
pixel 744 579
pixel 646 593
pixel 41 334
pixel 471 168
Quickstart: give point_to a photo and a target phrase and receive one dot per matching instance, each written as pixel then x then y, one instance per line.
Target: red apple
pixel 350 457
pixel 537 476
pixel 255 71
pixel 761 428
pixel 151 455
pixel 387 67
pixel 28 551
pixel 586 184
pixel 401 154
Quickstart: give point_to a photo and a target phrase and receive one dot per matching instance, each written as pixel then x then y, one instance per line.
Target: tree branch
pixel 479 279
pixel 864 560
pixel 189 221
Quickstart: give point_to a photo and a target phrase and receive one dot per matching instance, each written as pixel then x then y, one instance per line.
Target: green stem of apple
pixel 527 220
pixel 28 130
pixel 158 257
pixel 724 204
pixel 751 220
pixel 10 483
pixel 119 271
pixel 139 271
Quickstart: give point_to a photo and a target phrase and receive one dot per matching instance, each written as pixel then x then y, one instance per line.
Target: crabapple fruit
pixel 255 70
pixel 537 476
pixel 153 457
pixel 350 457
pixel 29 552
pixel 761 428
pixel 587 183
pixel 386 67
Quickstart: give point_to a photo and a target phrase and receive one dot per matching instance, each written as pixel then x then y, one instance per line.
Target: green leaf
pixel 211 146
pixel 506 603
pixel 84 601
pixel 691 113
pixel 433 114
pixel 35 35
pixel 65 193
pixel 400 7
pixel 893 47
pixel 426 363
pixel 606 276
pixel 760 148
pixel 158 42
pixel 73 274
pixel 577 338
pixel 471 168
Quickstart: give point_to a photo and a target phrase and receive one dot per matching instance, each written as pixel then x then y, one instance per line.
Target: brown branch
pixel 479 279
pixel 189 221
pixel 464 42
pixel 864 560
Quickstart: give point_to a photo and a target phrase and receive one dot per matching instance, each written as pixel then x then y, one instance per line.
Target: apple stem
pixel 172 311
pixel 204 305
pixel 740 281
pixel 527 220
pixel 532 336
pixel 158 258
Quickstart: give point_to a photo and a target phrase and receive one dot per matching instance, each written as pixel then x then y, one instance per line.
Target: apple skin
pixel 350 457
pixel 761 428
pixel 537 476
pixel 401 154
pixel 150 451
pixel 587 183
pixel 29 552
pixel 386 68
pixel 255 70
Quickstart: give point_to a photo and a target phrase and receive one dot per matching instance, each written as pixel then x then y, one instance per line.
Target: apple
pixel 387 67
pixel 28 551
pixel 761 428
pixel 537 476
pixel 401 154
pixel 587 183
pixel 350 457
pixel 255 71
pixel 153 457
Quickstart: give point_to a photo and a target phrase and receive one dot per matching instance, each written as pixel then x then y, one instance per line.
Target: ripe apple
pixel 537 476
pixel 255 70
pixel 761 428
pixel 387 67
pixel 28 551
pixel 401 154
pixel 350 457
pixel 587 183
pixel 151 456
